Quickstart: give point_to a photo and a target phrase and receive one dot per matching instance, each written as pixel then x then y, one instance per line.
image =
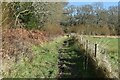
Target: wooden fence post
pixel 95 49
pixel 86 64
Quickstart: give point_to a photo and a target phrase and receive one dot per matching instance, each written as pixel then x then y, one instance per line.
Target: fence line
pixel 99 54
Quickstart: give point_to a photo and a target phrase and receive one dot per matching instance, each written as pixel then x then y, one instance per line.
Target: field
pixel 111 46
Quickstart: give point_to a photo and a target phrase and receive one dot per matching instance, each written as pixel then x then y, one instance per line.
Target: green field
pixel 110 45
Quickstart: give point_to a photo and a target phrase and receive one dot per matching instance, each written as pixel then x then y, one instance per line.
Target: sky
pixel 105 4
pixel 93 0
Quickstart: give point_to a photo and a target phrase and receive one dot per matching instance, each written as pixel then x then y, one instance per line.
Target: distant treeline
pixel 92 19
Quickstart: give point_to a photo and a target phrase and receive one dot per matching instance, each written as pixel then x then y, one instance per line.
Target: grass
pixel 111 45
pixel 43 65
pixel 45 59
pixel 75 61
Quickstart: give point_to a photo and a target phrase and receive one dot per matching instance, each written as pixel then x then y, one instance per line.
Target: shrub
pixel 53 30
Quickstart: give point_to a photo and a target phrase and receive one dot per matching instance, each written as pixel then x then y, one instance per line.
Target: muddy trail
pixel 74 64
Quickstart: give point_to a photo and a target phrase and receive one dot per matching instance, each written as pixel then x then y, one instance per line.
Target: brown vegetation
pixel 92 30
pixel 54 30
pixel 16 41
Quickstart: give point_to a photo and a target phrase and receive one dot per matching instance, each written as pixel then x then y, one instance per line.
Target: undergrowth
pixel 43 64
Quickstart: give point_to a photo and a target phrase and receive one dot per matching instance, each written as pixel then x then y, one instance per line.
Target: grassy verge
pixel 110 45
pixel 43 64
pixel 73 63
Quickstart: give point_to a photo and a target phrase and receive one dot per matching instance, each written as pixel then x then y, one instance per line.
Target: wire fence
pixel 99 54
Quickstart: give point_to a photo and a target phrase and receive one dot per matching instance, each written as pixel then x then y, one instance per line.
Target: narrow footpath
pixel 72 63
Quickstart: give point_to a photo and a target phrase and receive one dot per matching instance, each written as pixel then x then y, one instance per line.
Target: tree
pixel 16 13
pixel 32 14
pixel 113 18
pixel 48 12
